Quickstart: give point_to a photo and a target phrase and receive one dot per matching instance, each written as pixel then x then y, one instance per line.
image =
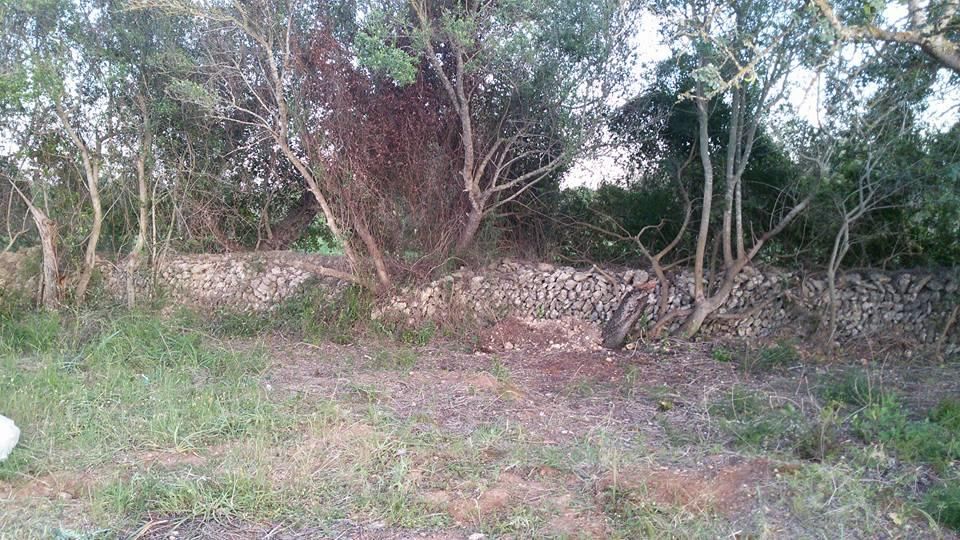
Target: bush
pixel 943 504
pixel 934 440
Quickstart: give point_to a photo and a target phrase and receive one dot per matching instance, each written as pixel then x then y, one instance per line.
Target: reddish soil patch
pixel 478 505
pixel 727 489
pixel 63 486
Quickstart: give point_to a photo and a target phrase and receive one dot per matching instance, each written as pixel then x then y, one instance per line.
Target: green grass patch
pixel 136 382
pixel 315 314
pixel 943 503
pixel 239 495
pixel 854 387
pixel 934 439
pixel 783 354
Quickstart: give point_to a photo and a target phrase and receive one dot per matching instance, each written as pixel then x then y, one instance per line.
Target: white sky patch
pixel 611 164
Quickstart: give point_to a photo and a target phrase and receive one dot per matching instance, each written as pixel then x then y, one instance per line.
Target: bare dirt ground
pixel 537 433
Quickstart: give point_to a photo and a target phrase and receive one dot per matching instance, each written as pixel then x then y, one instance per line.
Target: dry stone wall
pixel 916 305
pixel 256 281
pixel 19 273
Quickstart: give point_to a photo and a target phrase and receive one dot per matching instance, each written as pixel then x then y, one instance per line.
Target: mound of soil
pixel 529 334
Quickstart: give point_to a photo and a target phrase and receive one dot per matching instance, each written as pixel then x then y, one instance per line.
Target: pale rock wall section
pixel 19 273
pixel 915 304
pixel 256 281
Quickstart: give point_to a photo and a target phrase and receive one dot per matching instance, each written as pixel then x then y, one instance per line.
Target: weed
pixel 932 440
pixel 421 335
pixel 839 491
pixel 312 314
pixel 628 388
pixel 231 495
pixel 722 354
pixel 854 387
pixel 579 387
pixel 947 414
pixel 781 355
pixel 30 332
pixel 366 392
pixel 943 503
pixel 635 515
pixel 758 423
pixel 134 385
pixel 401 359
pixel 500 371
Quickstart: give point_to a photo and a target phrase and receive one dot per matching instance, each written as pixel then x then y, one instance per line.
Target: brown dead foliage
pixel 725 489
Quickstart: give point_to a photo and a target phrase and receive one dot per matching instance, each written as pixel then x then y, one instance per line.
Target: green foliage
pixel 722 354
pixel 378 51
pixel 934 440
pixel 29 332
pixel 758 424
pixel 420 335
pixel 234 495
pixel 400 359
pixel 500 371
pixel 943 503
pixel 781 355
pixel 854 387
pixel 317 313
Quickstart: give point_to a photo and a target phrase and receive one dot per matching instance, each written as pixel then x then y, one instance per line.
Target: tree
pixel 743 52
pixel 527 82
pixel 263 90
pixel 932 26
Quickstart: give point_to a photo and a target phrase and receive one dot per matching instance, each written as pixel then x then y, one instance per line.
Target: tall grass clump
pixel 94 386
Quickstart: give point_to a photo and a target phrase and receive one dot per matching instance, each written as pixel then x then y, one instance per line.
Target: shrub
pixel 854 387
pixel 943 504
pixel 932 440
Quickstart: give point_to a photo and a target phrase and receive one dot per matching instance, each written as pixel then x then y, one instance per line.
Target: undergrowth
pixel 854 406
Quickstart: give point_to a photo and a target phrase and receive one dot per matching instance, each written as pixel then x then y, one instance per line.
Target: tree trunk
pixel 50 292
pixel 703 309
pixel 624 318
pixel 704 230
pixel 373 250
pixel 469 232
pixel 143 201
pixel 295 223
pixel 91 170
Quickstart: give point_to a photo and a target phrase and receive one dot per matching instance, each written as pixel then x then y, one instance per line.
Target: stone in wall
pixel 912 304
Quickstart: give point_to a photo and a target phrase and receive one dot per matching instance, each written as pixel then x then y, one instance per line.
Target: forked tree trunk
pixel 91 170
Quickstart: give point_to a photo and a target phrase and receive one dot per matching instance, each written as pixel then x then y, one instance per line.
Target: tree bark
pixel 704 231
pixel 294 223
pixel 49 294
pixel 143 202
pixel 91 171
pixel 469 232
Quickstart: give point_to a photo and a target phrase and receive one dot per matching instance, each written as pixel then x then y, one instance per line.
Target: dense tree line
pixel 410 135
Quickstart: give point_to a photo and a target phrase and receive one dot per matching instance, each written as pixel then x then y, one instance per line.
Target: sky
pixel 942 112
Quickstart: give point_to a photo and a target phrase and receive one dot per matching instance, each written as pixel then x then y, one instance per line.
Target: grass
pixel 140 417
pixel 316 315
